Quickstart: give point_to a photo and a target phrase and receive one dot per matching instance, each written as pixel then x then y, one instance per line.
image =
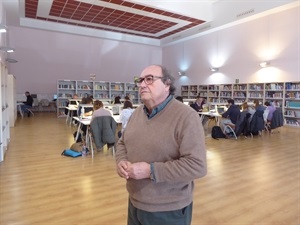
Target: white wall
pixel 238 50
pixel 45 56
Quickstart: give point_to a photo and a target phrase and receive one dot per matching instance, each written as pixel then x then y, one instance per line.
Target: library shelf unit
pixel 101 90
pixel 285 95
pixel 292 103
pixel 7 112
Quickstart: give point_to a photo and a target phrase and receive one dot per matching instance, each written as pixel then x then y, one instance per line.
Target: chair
pixel 241 126
pixel 27 109
pixel 45 104
pixel 267 124
pixel 277 119
pixel 103 132
pixel 231 127
pixel 257 123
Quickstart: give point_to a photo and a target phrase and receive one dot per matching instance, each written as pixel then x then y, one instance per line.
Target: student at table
pixel 27 104
pixel 72 102
pixel 231 115
pixel 198 106
pixel 125 115
pixel 99 110
pixel 85 111
pixel 88 111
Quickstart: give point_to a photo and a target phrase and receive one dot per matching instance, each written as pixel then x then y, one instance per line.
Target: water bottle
pixel 83 152
pixel 82 112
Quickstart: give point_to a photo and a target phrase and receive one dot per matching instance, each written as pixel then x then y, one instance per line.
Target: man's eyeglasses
pixel 149 79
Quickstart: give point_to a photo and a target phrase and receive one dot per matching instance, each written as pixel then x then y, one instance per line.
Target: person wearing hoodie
pixel 230 116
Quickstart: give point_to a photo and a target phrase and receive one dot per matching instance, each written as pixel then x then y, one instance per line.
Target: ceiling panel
pixel 113 15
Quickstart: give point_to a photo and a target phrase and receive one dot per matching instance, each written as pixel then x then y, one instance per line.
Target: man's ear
pixel 168 82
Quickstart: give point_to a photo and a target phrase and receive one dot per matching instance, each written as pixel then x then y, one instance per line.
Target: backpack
pixel 216 132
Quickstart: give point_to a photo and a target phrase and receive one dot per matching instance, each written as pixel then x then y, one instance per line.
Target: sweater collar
pixel 159 108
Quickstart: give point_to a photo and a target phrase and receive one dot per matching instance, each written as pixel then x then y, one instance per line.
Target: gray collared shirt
pixel 159 108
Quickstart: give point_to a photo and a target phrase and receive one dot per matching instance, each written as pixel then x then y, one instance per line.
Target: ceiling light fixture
pixel 264 64
pixel 181 73
pixel 3 28
pixel 214 69
pixel 7 49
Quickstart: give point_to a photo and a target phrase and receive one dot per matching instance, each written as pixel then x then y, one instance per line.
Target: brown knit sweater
pixel 174 141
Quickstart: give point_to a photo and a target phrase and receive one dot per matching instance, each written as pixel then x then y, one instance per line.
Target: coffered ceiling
pixel 156 22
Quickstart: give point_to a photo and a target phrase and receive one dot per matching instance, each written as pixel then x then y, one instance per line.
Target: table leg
pixel 78 131
pixel 71 116
pixel 68 116
pixel 20 110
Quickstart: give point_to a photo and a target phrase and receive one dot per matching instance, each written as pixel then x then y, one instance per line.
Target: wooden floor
pixel 249 182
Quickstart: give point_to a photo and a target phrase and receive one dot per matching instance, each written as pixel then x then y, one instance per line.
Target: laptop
pixel 220 110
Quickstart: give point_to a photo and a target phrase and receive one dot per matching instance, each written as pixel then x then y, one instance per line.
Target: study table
pixel 214 114
pixel 19 108
pixel 70 115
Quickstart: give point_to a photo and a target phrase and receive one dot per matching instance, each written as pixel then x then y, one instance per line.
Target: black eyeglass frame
pixel 140 80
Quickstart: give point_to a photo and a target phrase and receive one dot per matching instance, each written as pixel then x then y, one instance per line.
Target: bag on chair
pixel 216 132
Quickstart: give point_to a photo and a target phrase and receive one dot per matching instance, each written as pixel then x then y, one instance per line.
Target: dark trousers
pixel 176 217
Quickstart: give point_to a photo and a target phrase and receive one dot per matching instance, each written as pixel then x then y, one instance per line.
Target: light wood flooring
pixel 249 182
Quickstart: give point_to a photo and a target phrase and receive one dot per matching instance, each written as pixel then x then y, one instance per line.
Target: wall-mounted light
pixel 3 28
pixel 9 60
pixel 181 73
pixel 264 64
pixel 7 49
pixel 214 69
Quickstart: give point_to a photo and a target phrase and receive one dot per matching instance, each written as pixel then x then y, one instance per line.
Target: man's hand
pixel 139 170
pixel 122 169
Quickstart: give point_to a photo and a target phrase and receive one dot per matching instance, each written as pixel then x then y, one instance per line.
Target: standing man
pixel 27 104
pixel 160 153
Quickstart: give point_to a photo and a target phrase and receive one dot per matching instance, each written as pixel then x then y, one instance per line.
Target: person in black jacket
pixel 27 104
pixel 231 115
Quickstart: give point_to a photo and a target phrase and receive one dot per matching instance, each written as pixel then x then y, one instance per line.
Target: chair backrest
pixel 103 129
pixel 44 102
pixel 243 122
pixel 35 102
pixel 277 119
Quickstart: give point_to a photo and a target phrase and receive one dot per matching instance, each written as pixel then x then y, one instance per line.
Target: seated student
pixel 198 106
pixel 27 104
pixel 271 109
pixel 258 106
pixel 99 110
pixel 127 98
pixel 117 100
pixel 125 115
pixel 72 102
pixel 85 111
pixel 248 108
pixel 179 98
pixel 230 116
